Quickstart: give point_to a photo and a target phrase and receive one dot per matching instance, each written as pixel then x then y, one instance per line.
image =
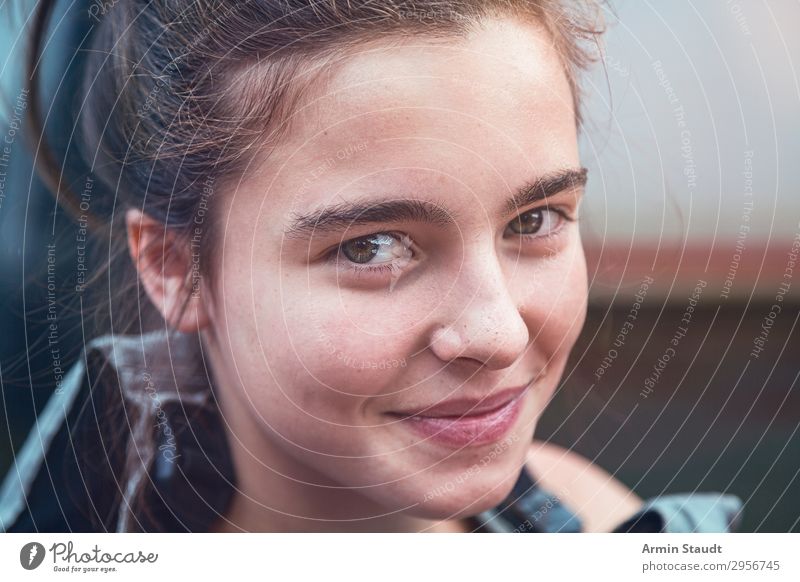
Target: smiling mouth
pixel 463 422
pixel 466 407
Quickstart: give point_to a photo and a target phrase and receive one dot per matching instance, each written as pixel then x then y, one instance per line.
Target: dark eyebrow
pixel 546 186
pixel 348 214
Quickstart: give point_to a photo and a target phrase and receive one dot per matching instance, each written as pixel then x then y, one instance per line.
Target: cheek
pixel 358 343
pixel 320 355
pixel 555 304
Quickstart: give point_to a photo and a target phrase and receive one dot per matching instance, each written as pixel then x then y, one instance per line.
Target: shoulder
pixel 594 495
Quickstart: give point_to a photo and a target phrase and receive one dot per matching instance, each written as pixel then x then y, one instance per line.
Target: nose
pixel 482 322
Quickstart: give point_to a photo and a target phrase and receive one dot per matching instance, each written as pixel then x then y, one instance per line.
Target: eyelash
pixel 391 267
pixel 373 269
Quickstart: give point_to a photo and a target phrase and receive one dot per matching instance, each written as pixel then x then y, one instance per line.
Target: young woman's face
pixel 397 255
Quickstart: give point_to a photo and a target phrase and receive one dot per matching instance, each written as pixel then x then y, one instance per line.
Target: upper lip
pixel 467 406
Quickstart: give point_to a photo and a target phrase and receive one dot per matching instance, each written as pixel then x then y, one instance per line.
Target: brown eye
pixel 378 248
pixel 361 250
pixel 537 223
pixel 528 222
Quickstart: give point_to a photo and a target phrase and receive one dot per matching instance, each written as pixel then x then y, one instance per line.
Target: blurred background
pixel 686 376
pixel 692 143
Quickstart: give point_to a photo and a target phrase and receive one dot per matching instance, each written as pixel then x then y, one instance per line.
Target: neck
pixel 247 515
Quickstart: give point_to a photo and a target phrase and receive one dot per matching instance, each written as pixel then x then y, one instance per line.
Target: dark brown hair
pixel 180 94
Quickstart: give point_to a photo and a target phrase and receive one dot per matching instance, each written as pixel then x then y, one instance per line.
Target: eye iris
pixel 527 223
pixel 361 250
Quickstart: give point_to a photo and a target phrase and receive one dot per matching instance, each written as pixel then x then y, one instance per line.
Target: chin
pixel 453 500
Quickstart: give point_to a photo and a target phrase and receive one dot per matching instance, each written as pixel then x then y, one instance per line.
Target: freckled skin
pixel 309 357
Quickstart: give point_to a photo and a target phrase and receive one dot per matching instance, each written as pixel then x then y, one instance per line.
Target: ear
pixel 164 264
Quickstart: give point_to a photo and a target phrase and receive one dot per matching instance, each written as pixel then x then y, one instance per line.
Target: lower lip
pixel 477 430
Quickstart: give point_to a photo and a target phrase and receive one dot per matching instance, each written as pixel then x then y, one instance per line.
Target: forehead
pixel 493 103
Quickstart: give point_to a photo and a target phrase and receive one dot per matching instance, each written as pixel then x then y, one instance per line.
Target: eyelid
pixel 558 209
pixel 562 208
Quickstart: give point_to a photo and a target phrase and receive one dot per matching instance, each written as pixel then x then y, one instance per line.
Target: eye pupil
pixel 528 222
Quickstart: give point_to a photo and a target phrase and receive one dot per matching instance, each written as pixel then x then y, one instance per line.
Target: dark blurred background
pixel 716 420
pixel 692 137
